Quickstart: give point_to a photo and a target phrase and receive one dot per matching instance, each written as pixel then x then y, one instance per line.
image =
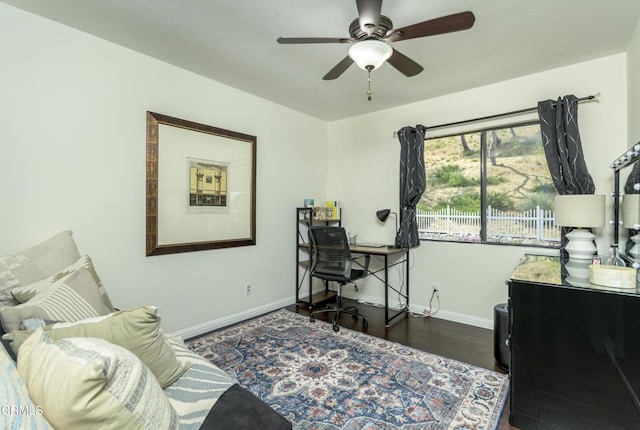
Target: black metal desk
pixel 386 253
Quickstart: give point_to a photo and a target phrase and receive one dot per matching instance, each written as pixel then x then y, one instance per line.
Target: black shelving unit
pixel 304 220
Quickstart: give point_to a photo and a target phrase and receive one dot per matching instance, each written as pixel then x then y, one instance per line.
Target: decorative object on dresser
pixel 581 211
pixel 615 276
pixel 350 380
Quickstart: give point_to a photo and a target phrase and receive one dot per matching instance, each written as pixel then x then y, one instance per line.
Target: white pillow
pixel 88 383
pixel 24 293
pixel 36 263
pixel 137 330
pixel 72 298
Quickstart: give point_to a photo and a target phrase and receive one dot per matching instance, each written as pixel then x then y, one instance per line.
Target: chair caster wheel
pixel 312 319
pixel 336 328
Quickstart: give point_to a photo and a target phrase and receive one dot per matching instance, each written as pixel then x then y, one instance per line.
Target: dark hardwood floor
pixel 462 342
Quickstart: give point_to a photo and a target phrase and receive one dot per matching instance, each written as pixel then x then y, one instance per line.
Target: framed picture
pixel 207 185
pixel 201 183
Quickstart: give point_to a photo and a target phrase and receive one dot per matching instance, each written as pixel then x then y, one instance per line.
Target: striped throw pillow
pixel 89 383
pixel 72 298
pixel 136 329
pixel 25 293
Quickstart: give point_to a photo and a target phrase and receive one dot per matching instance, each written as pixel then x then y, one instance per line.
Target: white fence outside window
pixel 535 224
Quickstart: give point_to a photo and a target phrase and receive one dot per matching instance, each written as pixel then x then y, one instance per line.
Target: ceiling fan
pixel 371 33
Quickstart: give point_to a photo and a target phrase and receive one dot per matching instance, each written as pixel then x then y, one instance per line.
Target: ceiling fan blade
pixel 369 14
pixel 442 25
pixel 295 40
pixel 338 69
pixel 404 64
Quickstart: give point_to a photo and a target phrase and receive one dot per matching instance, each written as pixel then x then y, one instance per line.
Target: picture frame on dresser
pixel 200 186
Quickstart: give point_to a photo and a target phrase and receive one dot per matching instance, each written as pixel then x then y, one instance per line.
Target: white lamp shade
pixel 370 53
pixel 631 211
pixel 580 210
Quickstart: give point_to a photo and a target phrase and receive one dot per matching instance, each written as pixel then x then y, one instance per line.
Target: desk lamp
pixel 631 220
pixel 383 214
pixel 580 211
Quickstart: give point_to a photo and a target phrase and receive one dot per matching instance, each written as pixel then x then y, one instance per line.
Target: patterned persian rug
pixel 322 380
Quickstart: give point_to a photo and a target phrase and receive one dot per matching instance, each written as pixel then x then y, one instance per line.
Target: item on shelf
pixel 308 203
pixel 353 239
pixel 319 214
pixel 333 209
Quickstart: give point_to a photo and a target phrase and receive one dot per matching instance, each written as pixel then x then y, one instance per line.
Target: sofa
pixel 70 360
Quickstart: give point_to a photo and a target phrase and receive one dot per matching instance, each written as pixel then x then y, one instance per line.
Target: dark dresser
pixel 575 349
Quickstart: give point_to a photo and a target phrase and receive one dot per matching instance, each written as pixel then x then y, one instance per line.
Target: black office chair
pixel 331 261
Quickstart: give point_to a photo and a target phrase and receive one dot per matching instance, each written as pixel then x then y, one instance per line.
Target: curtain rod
pixel 595 97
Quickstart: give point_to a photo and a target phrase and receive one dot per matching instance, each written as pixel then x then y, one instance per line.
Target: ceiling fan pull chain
pixel 369 83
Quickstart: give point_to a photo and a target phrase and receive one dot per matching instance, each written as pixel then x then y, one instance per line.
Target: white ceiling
pixel 234 42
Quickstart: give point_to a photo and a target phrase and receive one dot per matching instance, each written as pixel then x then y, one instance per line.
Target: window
pixel 489 186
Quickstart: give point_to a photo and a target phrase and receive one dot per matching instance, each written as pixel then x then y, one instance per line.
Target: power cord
pixel 402 276
pixel 430 310
pixel 403 306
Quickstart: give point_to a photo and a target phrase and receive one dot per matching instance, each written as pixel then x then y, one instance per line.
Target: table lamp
pixel 383 214
pixel 631 220
pixel 580 211
pixel 577 272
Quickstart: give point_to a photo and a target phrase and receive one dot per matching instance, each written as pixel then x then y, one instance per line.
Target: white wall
pixel 72 156
pixel 363 161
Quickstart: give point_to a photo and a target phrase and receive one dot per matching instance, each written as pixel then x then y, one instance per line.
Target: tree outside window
pixel 489 186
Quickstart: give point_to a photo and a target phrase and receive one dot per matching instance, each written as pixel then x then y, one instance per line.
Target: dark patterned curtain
pixel 563 149
pixel 412 183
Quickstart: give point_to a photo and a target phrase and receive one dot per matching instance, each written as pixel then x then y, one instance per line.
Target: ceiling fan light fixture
pixel 370 54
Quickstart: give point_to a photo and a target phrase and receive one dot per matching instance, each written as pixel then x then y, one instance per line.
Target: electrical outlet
pixel 247 289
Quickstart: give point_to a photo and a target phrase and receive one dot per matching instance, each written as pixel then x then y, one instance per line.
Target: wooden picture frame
pixel 201 187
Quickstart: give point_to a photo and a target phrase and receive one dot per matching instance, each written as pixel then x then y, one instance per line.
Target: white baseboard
pixel 260 310
pixel 232 319
pixel 442 314
pixel 463 319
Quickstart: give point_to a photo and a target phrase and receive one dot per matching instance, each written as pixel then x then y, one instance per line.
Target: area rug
pixel 321 380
